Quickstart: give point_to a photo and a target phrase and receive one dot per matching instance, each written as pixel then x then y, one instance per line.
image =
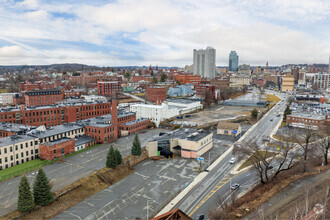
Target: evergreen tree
pixel 254 113
pixel 163 77
pixel 111 158
pixel 136 148
pixel 25 198
pixel 41 189
pixel 118 156
pixel 287 111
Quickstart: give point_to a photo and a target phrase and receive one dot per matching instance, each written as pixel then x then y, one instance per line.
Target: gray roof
pixel 182 101
pixel 79 140
pixel 59 129
pixel 15 139
pixel 58 141
pixel 12 127
pixel 135 121
pixel 184 133
pixel 307 116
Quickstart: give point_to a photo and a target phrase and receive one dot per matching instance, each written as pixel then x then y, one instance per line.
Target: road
pixel 71 169
pixel 206 195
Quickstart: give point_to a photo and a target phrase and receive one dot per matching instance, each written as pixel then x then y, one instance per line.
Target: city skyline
pixel 122 33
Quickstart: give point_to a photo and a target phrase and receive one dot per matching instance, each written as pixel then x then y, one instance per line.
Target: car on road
pixel 278 115
pixel 270 167
pixel 271 119
pixel 199 217
pixel 232 160
pixel 234 186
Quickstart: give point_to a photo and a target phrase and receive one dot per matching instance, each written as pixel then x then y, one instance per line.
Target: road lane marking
pixel 213 191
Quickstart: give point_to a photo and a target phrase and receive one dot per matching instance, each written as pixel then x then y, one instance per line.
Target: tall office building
pixel 204 62
pixel 233 61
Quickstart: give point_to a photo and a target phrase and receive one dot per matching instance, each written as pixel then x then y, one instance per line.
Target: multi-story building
pixel 221 82
pixel 188 143
pixel 57 148
pixel 287 83
pixel 18 149
pixel 57 114
pixel 72 93
pixel 182 90
pixel 311 121
pixel 6 99
pixel 233 61
pixel 240 80
pixel 244 69
pixel 132 127
pixel 205 91
pixel 321 80
pixel 109 88
pixel 204 62
pixel 187 78
pixel 156 94
pixel 43 97
pixel 40 85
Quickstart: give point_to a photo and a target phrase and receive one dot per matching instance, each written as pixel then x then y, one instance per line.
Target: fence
pixel 25 170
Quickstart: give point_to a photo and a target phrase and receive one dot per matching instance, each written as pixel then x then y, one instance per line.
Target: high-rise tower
pixel 233 61
pixel 204 62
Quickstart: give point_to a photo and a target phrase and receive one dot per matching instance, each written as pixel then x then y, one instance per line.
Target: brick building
pixel 221 82
pixel 188 78
pixel 40 85
pixel 55 115
pixel 109 88
pixel 132 127
pixel 204 90
pixel 287 83
pixel 156 94
pixel 56 148
pixel 72 93
pixel 43 97
pixel 311 121
pixel 142 78
pixel 9 129
pixel 261 82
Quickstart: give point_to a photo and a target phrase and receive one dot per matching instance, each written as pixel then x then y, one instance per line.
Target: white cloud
pixel 166 31
pixel 11 52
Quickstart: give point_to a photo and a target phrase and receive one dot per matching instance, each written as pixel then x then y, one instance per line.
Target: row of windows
pixel 66 134
pixel 98 130
pixel 17 162
pixel 306 120
pixel 128 128
pixel 11 158
pixel 10 149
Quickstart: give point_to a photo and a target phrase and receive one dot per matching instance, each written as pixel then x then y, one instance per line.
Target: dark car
pixel 199 217
pixel 235 186
pixel 270 167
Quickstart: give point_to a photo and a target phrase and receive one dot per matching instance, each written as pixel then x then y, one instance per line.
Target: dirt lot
pixel 218 113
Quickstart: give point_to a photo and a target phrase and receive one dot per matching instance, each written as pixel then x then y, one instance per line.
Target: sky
pixel 163 32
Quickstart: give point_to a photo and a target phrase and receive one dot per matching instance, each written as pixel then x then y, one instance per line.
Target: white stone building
pixel 204 62
pixel 6 98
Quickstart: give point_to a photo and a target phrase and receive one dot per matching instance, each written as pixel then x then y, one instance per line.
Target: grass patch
pixel 250 162
pixel 83 150
pixel 283 124
pixel 272 98
pixel 140 94
pixel 23 168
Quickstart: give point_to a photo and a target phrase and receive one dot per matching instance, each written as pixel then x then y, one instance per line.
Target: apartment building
pixel 109 88
pixel 43 97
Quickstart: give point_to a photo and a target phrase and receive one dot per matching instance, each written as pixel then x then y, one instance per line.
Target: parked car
pixel 271 119
pixel 270 167
pixel 234 186
pixel 232 160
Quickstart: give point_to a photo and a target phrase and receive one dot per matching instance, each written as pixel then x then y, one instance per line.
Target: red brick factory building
pixel 109 88
pixel 156 94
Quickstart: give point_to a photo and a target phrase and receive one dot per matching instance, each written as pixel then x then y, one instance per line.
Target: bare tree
pixel 286 156
pixel 323 142
pixel 260 157
pixel 290 100
pixel 303 140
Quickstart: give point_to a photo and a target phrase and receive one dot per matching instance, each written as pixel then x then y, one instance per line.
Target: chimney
pixel 114 111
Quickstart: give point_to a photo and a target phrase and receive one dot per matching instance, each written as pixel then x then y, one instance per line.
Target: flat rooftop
pixel 184 133
pixel 14 139
pixel 79 140
pixel 59 129
pixel 182 101
pixel 135 121
pixel 309 116
pixel 12 127
pixel 58 141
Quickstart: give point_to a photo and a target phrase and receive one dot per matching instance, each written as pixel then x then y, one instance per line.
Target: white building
pixel 239 81
pixel 204 62
pixel 158 113
pixel 6 98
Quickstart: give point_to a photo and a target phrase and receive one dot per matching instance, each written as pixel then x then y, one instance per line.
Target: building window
pixel 54 151
pixel 62 150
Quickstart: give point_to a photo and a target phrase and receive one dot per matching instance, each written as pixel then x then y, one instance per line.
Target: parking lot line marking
pixel 129 198
pixel 111 210
pixel 118 206
pixel 124 201
pixel 105 214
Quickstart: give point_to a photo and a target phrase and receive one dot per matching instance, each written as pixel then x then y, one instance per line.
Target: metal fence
pixel 22 171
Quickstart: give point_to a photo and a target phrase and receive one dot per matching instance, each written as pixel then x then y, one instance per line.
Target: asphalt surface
pixel 206 195
pixel 153 183
pixel 71 169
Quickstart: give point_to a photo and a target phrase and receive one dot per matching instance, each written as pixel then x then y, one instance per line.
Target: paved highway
pixel 206 195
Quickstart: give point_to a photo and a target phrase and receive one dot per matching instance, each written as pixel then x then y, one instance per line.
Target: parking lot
pixel 152 186
pixel 71 169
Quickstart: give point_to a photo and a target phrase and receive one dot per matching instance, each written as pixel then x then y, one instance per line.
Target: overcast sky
pixel 163 32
